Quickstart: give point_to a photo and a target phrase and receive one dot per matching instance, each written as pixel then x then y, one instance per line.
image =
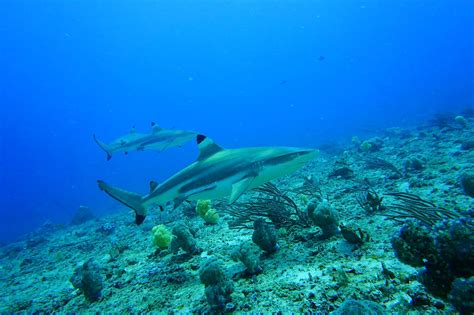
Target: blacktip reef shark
pixel 216 173
pixel 159 139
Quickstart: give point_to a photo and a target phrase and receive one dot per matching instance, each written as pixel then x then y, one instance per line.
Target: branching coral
pixel 412 206
pixel 271 203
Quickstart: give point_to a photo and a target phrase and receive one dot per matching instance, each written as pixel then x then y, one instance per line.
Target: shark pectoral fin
pixel 238 188
pixel 104 147
pixel 153 186
pixel 165 145
pixel 180 199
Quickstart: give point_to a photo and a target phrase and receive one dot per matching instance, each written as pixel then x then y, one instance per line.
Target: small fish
pixel 321 58
pixel 159 139
pixel 217 173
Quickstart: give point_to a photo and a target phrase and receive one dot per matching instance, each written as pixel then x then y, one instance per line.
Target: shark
pixel 158 139
pixel 217 173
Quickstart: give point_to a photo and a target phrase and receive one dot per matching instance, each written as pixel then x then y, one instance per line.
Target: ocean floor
pixel 307 273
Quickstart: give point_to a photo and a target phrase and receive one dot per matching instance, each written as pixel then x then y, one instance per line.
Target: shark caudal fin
pixel 131 200
pixel 104 147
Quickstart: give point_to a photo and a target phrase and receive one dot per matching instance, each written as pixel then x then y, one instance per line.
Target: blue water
pixel 297 73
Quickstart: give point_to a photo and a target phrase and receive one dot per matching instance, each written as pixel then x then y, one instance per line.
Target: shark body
pixel 159 139
pixel 217 173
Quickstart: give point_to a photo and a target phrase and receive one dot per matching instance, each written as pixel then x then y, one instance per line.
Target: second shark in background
pixel 158 139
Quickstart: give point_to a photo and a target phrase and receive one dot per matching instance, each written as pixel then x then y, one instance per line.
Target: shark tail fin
pixel 130 199
pixel 104 147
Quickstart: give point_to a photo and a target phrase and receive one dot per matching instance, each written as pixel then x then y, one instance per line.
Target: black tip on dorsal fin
pixel 153 186
pixel 207 147
pixel 200 138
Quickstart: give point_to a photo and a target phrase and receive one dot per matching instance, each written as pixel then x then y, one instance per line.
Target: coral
pixel 161 236
pixel 218 286
pixel 413 164
pixel 107 228
pixel 343 172
pixel 274 204
pixel 189 209
pixel 467 145
pixel 117 247
pixel 204 210
pixel 248 256
pixel 365 146
pixel 461 121
pixel 211 216
pixel 462 295
pixel 355 140
pixel 413 206
pixel 413 244
pixel 265 236
pixel 184 239
pixel 446 252
pixel 467 184
pixel 324 216
pixel 82 215
pixel 370 201
pixel 455 244
pixel 359 307
pixel 354 236
pixel 88 279
pixel 202 206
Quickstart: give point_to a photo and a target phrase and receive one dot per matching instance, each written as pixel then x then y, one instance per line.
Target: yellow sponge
pixel 161 236
pixel 204 210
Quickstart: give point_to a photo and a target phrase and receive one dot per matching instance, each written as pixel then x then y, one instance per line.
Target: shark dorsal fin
pixel 133 130
pixel 155 128
pixel 207 147
pixel 153 186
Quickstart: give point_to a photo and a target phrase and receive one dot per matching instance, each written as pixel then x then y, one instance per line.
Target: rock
pixel 467 184
pixel 82 215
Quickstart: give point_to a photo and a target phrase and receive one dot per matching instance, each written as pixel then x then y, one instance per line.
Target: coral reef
pixel 426 268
